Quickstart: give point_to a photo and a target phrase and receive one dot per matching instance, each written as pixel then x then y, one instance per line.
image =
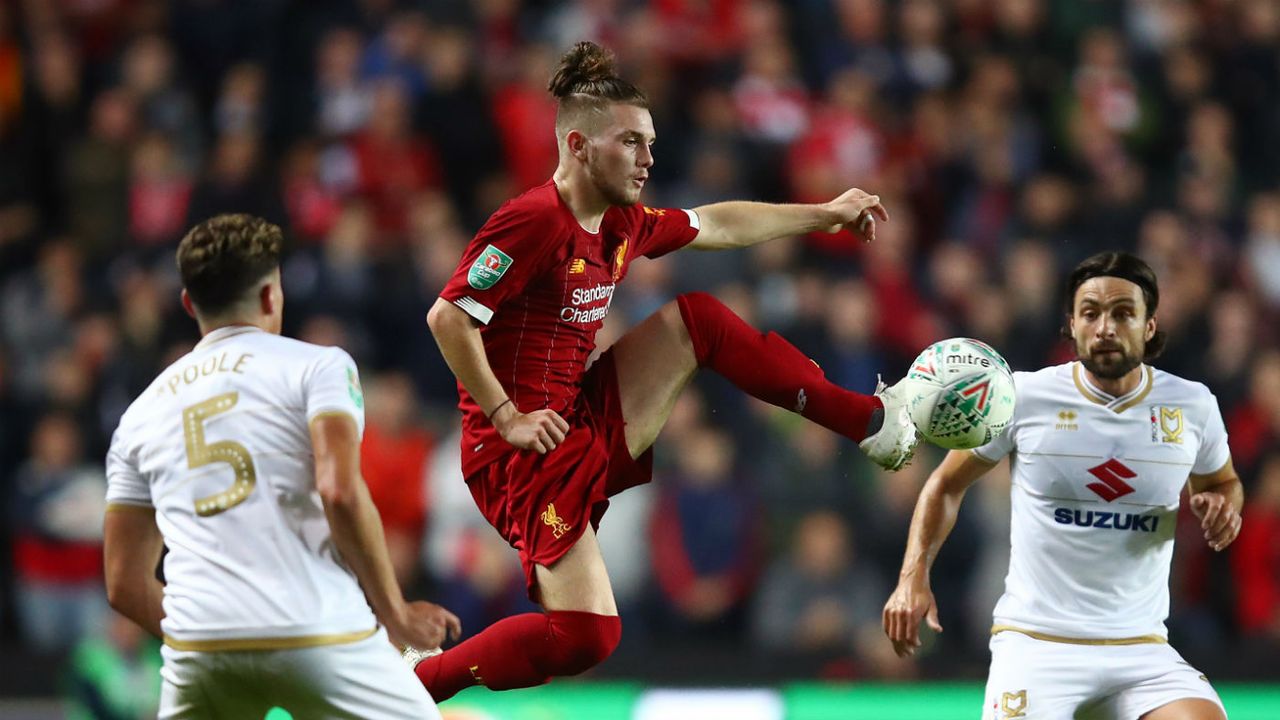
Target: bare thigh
pixel 578 581
pixel 1187 709
pixel 654 361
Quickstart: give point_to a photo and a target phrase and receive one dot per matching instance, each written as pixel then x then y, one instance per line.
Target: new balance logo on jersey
pixel 1106 520
pixel 1112 486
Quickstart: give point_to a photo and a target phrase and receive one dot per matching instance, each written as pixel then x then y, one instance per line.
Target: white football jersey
pixel 1095 493
pixel 220 446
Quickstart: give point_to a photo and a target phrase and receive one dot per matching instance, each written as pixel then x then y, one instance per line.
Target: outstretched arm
pixel 1216 499
pixel 739 224
pixel 934 517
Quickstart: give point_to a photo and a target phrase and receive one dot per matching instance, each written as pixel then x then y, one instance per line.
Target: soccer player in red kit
pixel 547 440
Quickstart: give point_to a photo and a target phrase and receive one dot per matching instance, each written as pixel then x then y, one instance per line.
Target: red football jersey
pixel 542 285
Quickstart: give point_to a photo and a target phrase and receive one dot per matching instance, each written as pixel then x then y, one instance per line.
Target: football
pixel 960 393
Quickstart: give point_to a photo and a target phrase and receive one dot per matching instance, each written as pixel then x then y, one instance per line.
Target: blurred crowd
pixel 1009 139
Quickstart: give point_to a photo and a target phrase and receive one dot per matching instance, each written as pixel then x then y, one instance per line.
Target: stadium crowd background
pixel 1008 138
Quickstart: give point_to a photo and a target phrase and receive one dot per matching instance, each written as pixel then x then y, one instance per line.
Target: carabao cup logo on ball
pixel 960 392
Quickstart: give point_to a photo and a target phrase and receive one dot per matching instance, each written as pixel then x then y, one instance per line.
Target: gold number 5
pixel 230 452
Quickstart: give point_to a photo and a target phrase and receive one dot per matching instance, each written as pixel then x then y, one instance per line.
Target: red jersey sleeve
pixel 512 248
pixel 664 230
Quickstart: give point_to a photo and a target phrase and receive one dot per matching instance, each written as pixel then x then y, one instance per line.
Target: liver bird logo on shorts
pixel 558 526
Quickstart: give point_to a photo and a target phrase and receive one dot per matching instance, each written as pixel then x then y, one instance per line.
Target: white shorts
pixel 1041 680
pixel 363 679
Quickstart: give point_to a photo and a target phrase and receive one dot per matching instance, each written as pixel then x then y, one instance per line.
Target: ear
pixel 266 299
pixel 187 305
pixel 576 141
pixel 1151 328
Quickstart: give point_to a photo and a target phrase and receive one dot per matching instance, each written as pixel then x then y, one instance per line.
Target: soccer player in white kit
pixel 243 457
pixel 1100 449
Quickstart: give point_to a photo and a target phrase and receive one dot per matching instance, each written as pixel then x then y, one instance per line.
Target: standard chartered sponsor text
pixel 582 296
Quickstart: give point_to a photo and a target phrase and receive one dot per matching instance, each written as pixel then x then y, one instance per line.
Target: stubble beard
pixel 614 195
pixel 1108 366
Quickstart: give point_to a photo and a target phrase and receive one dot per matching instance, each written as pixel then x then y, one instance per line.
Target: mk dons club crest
pixel 1167 424
pixel 488 268
pixel 1013 705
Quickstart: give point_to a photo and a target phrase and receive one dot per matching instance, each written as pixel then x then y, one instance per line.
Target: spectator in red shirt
pixel 393 460
pixel 57 509
pixel 526 119
pixel 313 205
pixel 1255 559
pixel 1255 424
pixel 158 193
pixel 394 165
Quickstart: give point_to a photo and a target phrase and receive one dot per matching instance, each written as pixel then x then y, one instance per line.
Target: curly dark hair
pixel 1126 267
pixel 223 257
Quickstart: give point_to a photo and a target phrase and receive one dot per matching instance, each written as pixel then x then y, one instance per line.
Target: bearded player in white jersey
pixel 1100 450
pixel 243 457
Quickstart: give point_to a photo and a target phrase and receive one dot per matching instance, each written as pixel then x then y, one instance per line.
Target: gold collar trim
pixel 1116 405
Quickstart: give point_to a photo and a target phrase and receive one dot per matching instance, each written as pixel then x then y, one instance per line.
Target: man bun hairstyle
pixel 1125 266
pixel 586 82
pixel 224 257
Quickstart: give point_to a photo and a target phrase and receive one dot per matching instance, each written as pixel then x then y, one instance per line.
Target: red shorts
pixel 541 504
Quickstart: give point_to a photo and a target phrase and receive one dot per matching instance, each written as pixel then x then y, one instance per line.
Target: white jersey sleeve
pixel 332 384
pixel 1214 451
pixel 125 485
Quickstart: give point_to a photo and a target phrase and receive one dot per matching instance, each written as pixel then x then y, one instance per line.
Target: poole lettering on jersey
pixel 584 296
pixel 1107 520
pixel 209 366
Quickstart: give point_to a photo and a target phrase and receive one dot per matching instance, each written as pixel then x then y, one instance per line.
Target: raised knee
pixel 582 640
pixel 691 304
pixel 703 318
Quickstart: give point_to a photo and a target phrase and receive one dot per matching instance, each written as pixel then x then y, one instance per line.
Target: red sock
pixel 522 651
pixel 768 367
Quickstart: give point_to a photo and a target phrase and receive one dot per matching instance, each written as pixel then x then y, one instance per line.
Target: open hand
pixel 910 602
